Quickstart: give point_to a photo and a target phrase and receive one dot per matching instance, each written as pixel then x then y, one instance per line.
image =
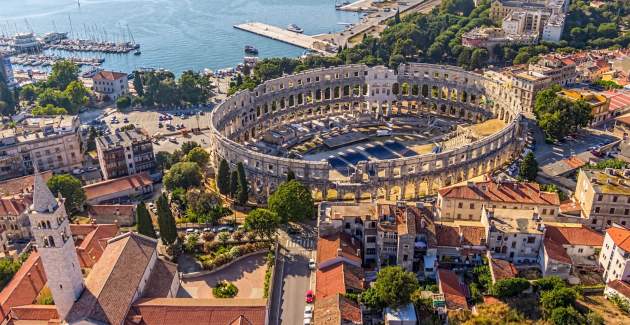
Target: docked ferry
pixel 295 28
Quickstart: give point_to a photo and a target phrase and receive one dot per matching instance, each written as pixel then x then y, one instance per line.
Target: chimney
pixel 339 251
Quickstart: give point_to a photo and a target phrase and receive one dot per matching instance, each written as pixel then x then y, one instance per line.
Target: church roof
pixel 43 199
pixel 114 280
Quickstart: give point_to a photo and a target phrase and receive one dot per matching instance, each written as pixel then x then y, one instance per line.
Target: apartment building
pixel 53 143
pixel 465 202
pixel 514 235
pixel 125 153
pixel 603 197
pixel 614 257
pixel 396 236
pixel 598 103
pixel 460 245
pixel 545 18
pixel 562 72
pixel 110 84
pixel 567 247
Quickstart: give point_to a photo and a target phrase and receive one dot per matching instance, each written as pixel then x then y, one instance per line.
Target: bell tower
pixel 51 230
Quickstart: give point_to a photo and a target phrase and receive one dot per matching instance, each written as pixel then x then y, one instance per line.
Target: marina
pixel 290 37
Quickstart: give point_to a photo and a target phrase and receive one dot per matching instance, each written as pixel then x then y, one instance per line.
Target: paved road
pixel 296 277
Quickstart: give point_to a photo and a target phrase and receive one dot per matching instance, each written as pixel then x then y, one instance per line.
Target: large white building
pixel 514 235
pixel 110 84
pixel 614 257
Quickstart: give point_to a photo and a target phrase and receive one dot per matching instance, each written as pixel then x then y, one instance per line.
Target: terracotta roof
pixel 114 280
pixel 93 245
pixel 161 279
pixel 502 269
pixel 111 209
pixel 555 251
pixel 177 311
pixel 82 229
pixel 12 206
pixel 622 287
pixel 25 285
pixel 515 192
pixel 581 235
pixel 328 247
pixel 109 75
pixel 453 290
pixel 447 236
pixel 570 207
pixel 338 278
pixel 618 100
pixel 34 312
pixel 336 310
pixel 19 185
pixel 241 320
pixel 620 236
pixel 117 185
pixel 473 235
pixel 574 162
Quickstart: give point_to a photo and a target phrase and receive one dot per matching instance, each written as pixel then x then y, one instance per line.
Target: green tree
pixel 63 73
pixel 566 316
pixel 77 94
pixel 137 83
pixel 70 189
pixel 55 98
pixel 143 221
pixel 201 205
pixel 394 286
pixel 166 221
pixel 163 160
pixel 549 283
pixel 199 156
pixel 48 110
pixel 123 102
pixel 509 287
pixel 292 201
pixel 262 222
pixel 243 188
pixel 528 170
pixel 371 299
pixel 189 145
pixel 91 141
pixel 184 175
pixel 223 177
pixel 28 93
pixel 556 298
pixel 233 184
pixel 290 175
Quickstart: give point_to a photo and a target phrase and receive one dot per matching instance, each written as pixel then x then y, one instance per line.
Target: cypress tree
pixel 242 184
pixel 223 177
pixel 168 229
pixel 234 184
pixel 137 84
pixel 143 221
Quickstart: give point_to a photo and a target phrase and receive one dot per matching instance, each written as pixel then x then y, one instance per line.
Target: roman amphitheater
pixel 358 132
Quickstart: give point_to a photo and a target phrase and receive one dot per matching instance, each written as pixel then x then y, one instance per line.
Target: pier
pixel 289 37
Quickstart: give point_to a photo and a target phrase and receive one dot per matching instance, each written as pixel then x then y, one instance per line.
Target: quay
pixel 358 6
pixel 289 37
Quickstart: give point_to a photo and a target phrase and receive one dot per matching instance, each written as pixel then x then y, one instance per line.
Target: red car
pixel 309 296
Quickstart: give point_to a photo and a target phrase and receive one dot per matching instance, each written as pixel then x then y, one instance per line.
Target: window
pixel 600 197
pixel 594 222
pixel 370 251
pixel 580 250
pixel 544 211
pixel 472 205
pixel 615 198
pixel 513 244
pixel 460 205
pixel 596 209
pixel 499 238
pixel 531 239
pixel 612 210
pixel 405 257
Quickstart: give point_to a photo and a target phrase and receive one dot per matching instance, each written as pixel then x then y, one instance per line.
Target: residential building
pixel 404 315
pixel 396 236
pixel 579 243
pixel 597 102
pixel 561 71
pixel 337 310
pixel 460 245
pixel 604 197
pixel 501 269
pixel 453 289
pixel 465 202
pixel 125 153
pixel 120 214
pixel 50 148
pixel 14 222
pixel 545 18
pixel 119 190
pixel 618 288
pixel 514 235
pixel 614 257
pixel 110 85
pixel 21 185
pixel 491 37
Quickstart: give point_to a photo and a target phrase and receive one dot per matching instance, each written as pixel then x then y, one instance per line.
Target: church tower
pixel 51 230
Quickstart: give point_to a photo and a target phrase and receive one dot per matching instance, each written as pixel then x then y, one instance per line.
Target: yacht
pixel 249 49
pixel 295 28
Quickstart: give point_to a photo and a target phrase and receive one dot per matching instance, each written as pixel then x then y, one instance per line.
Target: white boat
pixel 295 28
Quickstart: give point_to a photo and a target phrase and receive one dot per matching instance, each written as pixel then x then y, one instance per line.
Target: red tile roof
pixel 12 207
pixel 336 310
pixel 581 235
pixel 622 287
pixel 502 269
pixel 111 209
pixel 521 192
pixel 113 186
pixel 473 235
pixel 19 185
pixel 93 245
pixel 570 207
pixel 555 251
pixel 177 311
pixel 447 236
pixel 25 285
pixel 328 247
pixel 34 313
pixel 620 236
pixel 453 290
pixel 109 75
pixel 456 236
pixel 618 100
pixel 338 278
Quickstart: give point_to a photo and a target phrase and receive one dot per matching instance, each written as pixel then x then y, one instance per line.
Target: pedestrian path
pixel 306 243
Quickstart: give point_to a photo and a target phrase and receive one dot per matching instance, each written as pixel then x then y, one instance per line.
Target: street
pixel 296 250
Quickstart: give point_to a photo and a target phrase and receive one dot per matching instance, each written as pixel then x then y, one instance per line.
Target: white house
pixel 110 84
pixel 566 247
pixel 615 255
pixel 514 235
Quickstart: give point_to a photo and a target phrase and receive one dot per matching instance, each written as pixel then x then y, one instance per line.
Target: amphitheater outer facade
pixel 359 90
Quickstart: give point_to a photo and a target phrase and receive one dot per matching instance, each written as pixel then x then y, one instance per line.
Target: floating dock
pixel 289 37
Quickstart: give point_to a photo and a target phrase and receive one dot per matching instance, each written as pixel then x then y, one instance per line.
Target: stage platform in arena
pixel 345 139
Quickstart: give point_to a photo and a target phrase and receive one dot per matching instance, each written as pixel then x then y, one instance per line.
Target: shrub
pixel 210 246
pixel 620 303
pixel 207 236
pixel 509 287
pixel 238 235
pixel 235 252
pixel 556 298
pixel 566 316
pixel 549 283
pixel 224 289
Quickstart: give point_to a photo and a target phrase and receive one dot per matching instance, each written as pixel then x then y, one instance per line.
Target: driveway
pixel 248 275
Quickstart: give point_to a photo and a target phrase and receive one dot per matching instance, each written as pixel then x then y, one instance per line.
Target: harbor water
pixel 174 34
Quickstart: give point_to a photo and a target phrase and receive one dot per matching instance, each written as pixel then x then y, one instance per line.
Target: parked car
pixel 310 297
pixel 308 311
pixel 190 231
pixel 311 264
pixel 225 228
